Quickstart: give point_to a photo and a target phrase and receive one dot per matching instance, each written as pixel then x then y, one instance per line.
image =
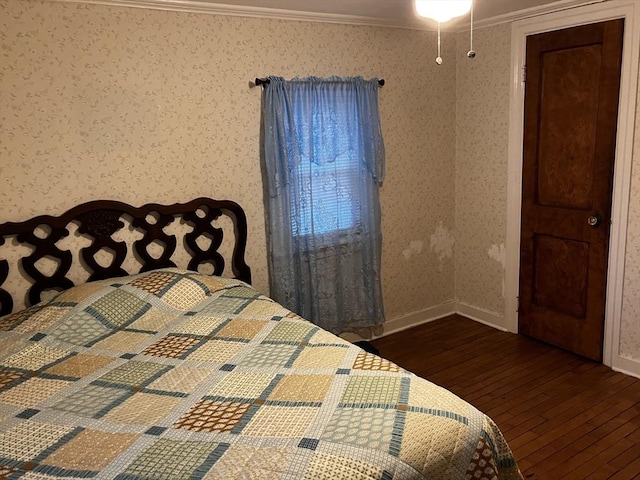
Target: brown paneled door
pixel 570 115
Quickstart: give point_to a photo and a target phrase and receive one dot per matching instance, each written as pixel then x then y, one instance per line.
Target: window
pixel 324 160
pixel 327 174
pixel 327 203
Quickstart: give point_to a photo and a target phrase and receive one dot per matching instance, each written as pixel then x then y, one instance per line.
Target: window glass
pixel 327 177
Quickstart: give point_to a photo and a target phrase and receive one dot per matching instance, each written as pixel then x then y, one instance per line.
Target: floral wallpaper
pixel 141 105
pixel 630 326
pixel 482 139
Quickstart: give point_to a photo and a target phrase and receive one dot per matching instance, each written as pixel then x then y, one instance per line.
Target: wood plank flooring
pixel 565 417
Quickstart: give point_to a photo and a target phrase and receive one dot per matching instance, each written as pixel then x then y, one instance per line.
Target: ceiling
pixel 385 12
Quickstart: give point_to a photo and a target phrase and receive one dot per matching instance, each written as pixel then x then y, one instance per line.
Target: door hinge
pixel 524 74
pixel 518 303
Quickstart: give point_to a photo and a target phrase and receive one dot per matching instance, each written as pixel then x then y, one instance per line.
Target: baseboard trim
pixel 621 364
pixel 436 312
pixel 420 317
pixel 405 322
pixel 626 366
pixel 486 317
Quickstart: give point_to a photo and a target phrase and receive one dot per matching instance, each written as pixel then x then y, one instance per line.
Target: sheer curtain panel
pixel 325 162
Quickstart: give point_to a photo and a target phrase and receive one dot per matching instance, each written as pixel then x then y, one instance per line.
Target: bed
pixel 168 373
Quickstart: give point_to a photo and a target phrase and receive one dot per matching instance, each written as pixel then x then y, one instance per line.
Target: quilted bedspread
pixel 176 375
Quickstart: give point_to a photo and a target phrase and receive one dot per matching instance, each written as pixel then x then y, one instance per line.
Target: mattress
pixel 172 374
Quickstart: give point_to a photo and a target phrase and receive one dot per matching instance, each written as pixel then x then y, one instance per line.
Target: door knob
pixel 593 220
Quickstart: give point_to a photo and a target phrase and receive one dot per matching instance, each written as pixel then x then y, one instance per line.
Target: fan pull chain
pixel 471 53
pixel 439 58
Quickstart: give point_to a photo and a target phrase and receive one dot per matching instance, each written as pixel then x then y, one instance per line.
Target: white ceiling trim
pixel 194 6
pixel 548 8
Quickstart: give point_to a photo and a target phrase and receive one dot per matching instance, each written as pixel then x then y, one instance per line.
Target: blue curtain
pixel 325 162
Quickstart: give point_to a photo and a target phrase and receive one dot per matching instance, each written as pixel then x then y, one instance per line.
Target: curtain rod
pixel 266 81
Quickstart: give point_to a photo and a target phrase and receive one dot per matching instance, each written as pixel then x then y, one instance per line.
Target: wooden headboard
pixel 99 220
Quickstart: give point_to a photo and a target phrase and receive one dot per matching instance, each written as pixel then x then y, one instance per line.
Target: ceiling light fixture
pixel 442 11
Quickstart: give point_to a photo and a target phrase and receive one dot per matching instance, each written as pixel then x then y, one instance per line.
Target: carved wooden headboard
pixel 99 220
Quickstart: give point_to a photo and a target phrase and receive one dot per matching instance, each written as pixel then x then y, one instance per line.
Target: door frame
pixel 571 17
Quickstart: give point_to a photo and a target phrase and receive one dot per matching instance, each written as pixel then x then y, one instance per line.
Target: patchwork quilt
pixel 175 375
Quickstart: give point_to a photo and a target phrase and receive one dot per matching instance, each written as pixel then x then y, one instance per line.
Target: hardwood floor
pixel 565 417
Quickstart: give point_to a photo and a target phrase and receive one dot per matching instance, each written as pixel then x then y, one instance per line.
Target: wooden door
pixel 571 105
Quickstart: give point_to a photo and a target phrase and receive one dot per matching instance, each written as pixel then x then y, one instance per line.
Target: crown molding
pixel 460 25
pixel 195 6
pixel 546 9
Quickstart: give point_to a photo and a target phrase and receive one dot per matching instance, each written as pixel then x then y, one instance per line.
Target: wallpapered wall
pixel 630 325
pixel 481 173
pixel 482 138
pixel 150 106
pixel 142 106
